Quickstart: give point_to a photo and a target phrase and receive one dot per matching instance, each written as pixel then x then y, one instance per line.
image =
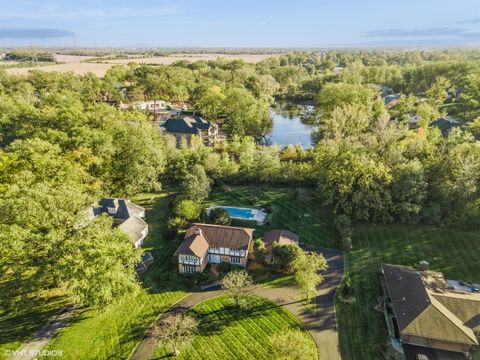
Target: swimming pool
pixel 256 215
pixel 240 213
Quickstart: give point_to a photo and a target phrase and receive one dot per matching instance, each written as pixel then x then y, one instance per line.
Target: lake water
pixel 288 128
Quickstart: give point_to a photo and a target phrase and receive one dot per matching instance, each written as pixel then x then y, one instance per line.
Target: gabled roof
pixel 199 237
pixel 128 216
pixel 187 125
pixel 282 237
pixel 418 309
pixel 194 244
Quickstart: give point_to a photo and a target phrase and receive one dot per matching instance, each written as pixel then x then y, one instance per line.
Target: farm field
pixel 294 209
pixel 362 329
pixel 225 332
pixel 113 332
pixel 77 64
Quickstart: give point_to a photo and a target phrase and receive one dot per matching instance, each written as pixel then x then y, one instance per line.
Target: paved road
pixel 32 348
pixel 320 323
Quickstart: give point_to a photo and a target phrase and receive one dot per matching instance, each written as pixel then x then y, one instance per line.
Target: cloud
pixel 469 21
pixel 33 33
pixel 64 11
pixel 445 33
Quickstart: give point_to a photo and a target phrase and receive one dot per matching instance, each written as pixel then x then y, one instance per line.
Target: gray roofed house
pixel 126 215
pixel 423 313
pixel 187 126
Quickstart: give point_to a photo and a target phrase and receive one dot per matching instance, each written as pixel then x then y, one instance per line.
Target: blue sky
pixel 240 23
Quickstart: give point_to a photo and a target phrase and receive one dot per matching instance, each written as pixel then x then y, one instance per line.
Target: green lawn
pixel 297 211
pixel 17 326
pixel 362 329
pixel 229 333
pixel 113 332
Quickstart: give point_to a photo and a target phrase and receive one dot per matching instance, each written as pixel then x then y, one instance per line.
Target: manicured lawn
pixel 113 332
pixel 18 326
pixel 229 333
pixel 362 329
pixel 295 210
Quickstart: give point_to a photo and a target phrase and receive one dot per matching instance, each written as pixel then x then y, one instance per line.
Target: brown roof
pixel 193 244
pixel 417 309
pixel 224 236
pixel 282 237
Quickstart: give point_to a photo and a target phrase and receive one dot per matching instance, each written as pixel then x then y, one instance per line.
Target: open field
pixel 113 332
pixel 293 209
pixel 227 332
pixel 78 65
pixel 362 329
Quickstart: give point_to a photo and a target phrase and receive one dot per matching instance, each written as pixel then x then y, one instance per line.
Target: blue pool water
pixel 239 213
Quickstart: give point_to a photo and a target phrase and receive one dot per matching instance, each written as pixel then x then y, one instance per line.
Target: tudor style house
pixel 126 215
pixel 183 128
pixel 207 243
pixel 428 316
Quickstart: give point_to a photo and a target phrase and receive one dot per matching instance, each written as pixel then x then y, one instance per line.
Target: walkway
pixel 32 348
pixel 320 323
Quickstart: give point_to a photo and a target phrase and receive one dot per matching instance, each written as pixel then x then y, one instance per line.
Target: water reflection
pixel 293 124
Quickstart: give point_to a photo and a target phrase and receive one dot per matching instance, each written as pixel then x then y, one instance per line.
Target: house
pixel 277 237
pixel 151 105
pixel 445 125
pixel 207 243
pixel 183 128
pixel 426 316
pixel 126 215
pixel 391 100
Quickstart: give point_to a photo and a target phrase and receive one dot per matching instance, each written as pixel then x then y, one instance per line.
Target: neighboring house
pixel 391 100
pixel 126 215
pixel 277 237
pixel 445 125
pixel 150 105
pixel 183 128
pixel 427 316
pixel 207 243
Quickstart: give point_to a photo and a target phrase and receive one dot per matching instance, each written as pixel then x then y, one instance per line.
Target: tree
pixel 177 329
pixel 259 250
pixel 284 254
pixel 474 126
pixel 438 92
pixel 219 216
pixel 196 184
pixel 307 267
pixel 238 284
pixel 334 95
pixel 292 345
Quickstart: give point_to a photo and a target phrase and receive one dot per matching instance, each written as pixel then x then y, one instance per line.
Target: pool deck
pixel 258 214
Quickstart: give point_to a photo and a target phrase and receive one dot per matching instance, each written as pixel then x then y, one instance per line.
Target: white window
pixel 235 260
pixel 189 269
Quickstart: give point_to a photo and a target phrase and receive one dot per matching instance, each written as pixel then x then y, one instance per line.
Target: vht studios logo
pixel 33 353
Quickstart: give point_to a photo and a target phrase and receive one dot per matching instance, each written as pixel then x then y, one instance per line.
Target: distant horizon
pixel 240 24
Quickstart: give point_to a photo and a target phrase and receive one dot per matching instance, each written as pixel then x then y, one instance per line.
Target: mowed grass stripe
pixel 227 332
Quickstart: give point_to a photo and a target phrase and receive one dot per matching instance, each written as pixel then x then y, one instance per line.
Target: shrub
pixel 343 226
pixel 259 250
pixel 219 216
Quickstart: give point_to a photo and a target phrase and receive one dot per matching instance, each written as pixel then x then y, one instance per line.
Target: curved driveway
pixel 320 323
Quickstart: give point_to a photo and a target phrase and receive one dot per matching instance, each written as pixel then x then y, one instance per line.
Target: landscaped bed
pixel 228 332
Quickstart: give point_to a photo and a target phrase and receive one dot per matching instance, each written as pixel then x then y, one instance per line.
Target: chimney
pixel 423 265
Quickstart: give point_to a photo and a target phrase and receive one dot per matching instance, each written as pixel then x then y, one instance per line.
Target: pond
pixel 291 126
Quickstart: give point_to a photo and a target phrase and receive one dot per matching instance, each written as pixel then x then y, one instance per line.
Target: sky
pixel 240 23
